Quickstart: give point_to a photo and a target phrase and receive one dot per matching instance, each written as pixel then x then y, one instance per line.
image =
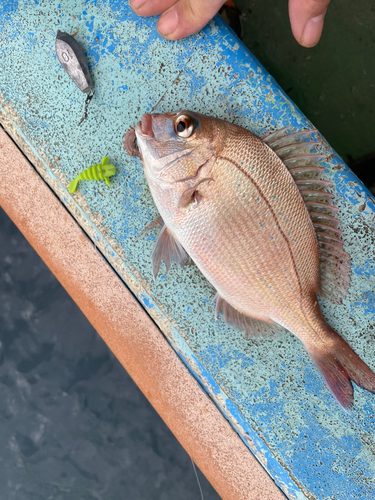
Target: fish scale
pixel 230 203
pixel 249 279
pixel 245 234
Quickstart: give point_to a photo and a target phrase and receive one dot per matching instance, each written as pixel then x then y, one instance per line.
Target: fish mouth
pixel 146 126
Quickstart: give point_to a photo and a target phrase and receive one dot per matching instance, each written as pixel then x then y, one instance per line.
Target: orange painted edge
pixel 129 332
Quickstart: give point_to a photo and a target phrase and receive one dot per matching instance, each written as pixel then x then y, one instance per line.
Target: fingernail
pixel 167 22
pixel 313 30
pixel 135 4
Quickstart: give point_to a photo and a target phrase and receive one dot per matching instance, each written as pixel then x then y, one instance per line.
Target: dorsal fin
pixel 270 137
pixel 308 182
pixel 310 160
pixel 296 150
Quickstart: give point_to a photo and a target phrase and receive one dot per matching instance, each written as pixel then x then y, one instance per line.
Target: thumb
pixel 186 17
pixel 307 19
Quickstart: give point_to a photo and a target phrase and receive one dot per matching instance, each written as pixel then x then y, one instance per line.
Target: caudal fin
pixel 338 365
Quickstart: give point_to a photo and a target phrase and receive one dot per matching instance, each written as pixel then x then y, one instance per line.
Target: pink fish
pixel 256 219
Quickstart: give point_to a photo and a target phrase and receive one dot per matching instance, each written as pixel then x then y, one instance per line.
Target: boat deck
pixel 268 390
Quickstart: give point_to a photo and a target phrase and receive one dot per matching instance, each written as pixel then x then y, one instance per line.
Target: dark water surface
pixel 73 425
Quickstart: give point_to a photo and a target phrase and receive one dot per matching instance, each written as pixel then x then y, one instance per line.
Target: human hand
pixel 307 19
pixel 181 18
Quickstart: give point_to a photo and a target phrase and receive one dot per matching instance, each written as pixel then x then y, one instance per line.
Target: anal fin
pixel 251 327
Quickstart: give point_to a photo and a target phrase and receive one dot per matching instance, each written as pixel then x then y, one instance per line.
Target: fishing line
pixel 89 96
pixel 196 475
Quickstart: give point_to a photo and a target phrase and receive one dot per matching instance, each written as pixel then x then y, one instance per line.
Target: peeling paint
pixel 268 389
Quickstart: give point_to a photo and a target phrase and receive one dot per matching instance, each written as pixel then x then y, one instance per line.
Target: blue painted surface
pixel 268 388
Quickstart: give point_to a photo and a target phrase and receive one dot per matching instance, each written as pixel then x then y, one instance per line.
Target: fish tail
pixel 339 365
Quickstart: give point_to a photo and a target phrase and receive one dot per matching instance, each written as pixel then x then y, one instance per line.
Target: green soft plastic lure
pixel 99 172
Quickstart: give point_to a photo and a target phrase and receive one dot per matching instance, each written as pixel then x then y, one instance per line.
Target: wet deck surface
pixel 268 389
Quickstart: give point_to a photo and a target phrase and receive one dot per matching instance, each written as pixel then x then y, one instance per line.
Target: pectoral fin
pixel 167 249
pixel 190 194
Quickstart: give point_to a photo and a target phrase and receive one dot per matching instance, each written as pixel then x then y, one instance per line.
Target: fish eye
pixel 184 126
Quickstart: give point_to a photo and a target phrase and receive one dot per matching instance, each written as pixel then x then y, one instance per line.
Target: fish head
pixel 173 145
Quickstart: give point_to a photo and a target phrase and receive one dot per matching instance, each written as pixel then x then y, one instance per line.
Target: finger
pixel 307 19
pixel 186 17
pixel 150 7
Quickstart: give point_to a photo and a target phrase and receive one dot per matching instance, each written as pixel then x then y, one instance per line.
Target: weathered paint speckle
pixel 268 389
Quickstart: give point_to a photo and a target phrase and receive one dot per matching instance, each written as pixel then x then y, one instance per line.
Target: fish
pixel 258 221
